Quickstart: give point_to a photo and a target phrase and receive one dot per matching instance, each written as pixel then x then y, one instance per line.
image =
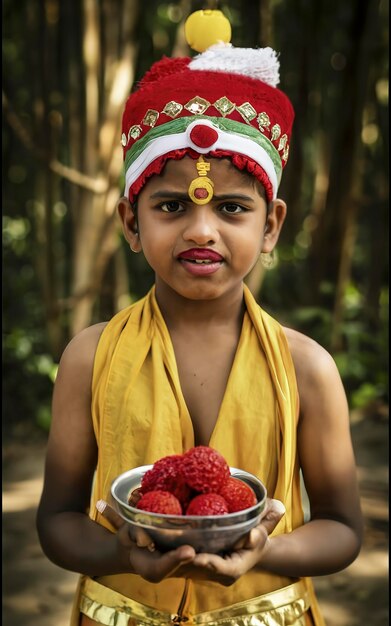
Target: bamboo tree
pixel 94 225
pixel 334 238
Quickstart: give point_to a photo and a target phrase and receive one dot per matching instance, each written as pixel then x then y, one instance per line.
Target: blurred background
pixel 68 67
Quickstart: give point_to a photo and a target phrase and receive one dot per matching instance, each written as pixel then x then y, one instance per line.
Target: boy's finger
pixel 274 513
pixel 141 538
pixel 108 513
pixel 240 544
pixel 271 516
pixel 171 561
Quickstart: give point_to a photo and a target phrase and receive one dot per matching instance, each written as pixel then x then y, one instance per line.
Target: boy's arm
pixel 332 538
pixel 68 536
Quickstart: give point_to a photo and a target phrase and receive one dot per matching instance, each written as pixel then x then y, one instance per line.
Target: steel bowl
pixel 209 533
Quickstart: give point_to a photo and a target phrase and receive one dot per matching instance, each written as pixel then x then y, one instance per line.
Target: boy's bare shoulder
pixel 312 361
pixel 322 397
pixel 76 367
pixel 82 347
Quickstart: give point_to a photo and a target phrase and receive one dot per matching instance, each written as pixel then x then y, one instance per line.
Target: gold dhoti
pixel 284 607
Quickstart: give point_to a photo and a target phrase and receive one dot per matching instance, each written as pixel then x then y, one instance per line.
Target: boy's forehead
pixel 180 172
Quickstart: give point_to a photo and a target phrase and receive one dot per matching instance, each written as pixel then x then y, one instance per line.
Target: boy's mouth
pixel 200 256
pixel 200 262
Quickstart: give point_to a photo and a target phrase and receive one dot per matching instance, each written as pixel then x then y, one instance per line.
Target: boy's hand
pixel 227 569
pixel 140 556
pixel 154 566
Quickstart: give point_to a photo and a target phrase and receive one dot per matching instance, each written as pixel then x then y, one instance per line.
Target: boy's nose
pixel 201 226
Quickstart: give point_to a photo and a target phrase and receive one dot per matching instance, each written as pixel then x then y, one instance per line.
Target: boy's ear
pixel 129 224
pixel 274 222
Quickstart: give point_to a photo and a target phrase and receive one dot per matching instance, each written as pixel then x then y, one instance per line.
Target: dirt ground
pixel 37 593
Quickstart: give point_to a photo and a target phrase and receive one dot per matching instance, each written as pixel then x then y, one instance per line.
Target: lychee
pixel 204 469
pixel 165 475
pixel 207 504
pixel 237 494
pixel 160 502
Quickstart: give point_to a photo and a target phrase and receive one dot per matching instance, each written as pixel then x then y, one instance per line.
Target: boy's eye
pixel 233 208
pixel 171 207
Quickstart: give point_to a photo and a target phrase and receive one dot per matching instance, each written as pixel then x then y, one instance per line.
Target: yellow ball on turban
pixel 206 28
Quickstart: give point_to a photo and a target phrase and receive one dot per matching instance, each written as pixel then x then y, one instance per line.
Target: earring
pixel 132 249
pixel 269 260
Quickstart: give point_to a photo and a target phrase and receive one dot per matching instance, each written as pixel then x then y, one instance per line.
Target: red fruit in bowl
pixel 160 502
pixel 207 504
pixel 165 475
pixel 204 469
pixel 237 494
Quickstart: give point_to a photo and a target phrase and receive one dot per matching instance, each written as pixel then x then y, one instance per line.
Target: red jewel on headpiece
pixel 203 136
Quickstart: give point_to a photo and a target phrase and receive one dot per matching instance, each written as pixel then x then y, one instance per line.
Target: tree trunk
pixel 95 227
pixel 338 217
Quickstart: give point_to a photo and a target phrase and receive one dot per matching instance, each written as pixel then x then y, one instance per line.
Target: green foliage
pixel 363 360
pixel 27 381
pixel 28 369
pixel 365 395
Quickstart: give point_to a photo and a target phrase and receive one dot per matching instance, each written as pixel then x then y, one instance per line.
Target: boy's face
pixel 202 251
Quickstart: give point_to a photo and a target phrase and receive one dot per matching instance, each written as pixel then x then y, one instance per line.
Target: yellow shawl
pixel 139 415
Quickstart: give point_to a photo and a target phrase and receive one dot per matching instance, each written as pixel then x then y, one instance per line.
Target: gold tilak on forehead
pixel 201 188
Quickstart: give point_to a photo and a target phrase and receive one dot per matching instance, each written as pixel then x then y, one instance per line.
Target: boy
pixel 197 361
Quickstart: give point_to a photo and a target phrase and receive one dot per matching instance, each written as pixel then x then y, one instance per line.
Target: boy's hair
pixel 222 103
